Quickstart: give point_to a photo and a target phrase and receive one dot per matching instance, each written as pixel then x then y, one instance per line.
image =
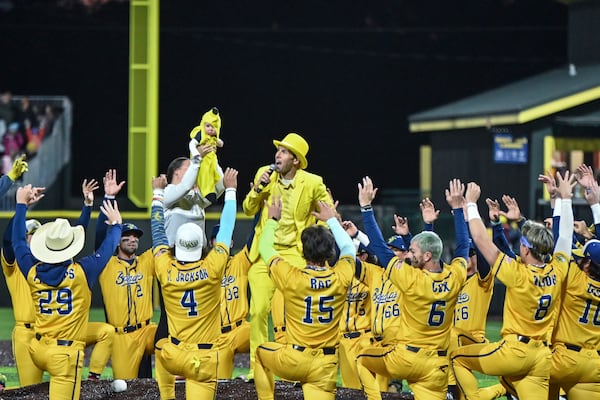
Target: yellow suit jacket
pixel 309 190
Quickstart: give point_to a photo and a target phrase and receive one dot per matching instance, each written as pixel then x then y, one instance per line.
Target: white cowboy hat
pixel 58 241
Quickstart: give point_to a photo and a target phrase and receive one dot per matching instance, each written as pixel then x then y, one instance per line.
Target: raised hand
pixel 550 183
pixel 366 192
pixel 473 192
pixel 585 175
pixel 350 228
pixel 113 216
pixel 325 212
pixel 111 187
pixel 514 212
pixel 29 195
pixel 230 178
pixel 401 225
pixel 592 193
pixel 565 185
pixel 428 211
pixel 87 188
pixel 493 209
pixel 455 193
pixel 159 182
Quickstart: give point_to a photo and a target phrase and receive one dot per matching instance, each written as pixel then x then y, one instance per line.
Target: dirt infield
pixel 148 389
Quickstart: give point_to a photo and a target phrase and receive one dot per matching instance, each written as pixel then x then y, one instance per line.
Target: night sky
pixel 345 75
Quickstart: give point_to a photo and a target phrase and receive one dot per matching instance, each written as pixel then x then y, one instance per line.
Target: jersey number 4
pixel 325 312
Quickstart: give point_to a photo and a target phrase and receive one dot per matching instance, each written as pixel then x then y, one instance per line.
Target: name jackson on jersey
pixel 188 276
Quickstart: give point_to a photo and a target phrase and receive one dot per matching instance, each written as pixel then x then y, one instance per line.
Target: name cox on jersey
pixel 126 280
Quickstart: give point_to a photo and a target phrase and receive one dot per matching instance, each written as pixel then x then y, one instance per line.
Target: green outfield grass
pixel 97 314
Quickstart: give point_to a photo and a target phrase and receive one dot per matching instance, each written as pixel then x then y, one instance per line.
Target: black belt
pixel 202 346
pixel 376 339
pixel 59 342
pixel 527 339
pixel 354 335
pixel 282 329
pixel 326 350
pixel 576 348
pixel 414 349
pixel 228 328
pixel 132 328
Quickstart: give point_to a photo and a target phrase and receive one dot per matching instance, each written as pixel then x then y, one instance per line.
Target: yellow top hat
pixel 297 145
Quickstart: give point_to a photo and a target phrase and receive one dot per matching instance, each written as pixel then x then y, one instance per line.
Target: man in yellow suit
pixel 300 191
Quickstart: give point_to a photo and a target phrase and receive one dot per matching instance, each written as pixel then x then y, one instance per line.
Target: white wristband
pixel 472 211
pixel 230 194
pixel 596 213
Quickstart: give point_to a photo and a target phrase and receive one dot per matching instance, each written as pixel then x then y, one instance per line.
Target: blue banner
pixel 509 150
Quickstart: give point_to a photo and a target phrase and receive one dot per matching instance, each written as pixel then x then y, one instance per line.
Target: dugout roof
pixel 517 103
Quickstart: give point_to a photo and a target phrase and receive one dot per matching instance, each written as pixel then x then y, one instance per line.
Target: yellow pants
pixel 524 367
pixel 198 366
pixel 349 349
pixel 577 372
pixel 29 373
pixel 238 341
pixel 128 350
pixel 316 370
pixel 425 370
pixel 63 363
pixel 101 336
pixel 262 289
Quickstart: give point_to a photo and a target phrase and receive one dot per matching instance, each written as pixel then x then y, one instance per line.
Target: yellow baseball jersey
pixel 314 299
pixel 356 314
pixel 385 299
pixel 20 293
pixel 61 311
pixel 234 293
pixel 192 294
pixel 428 302
pixel 472 307
pixel 578 322
pixel 532 294
pixel 127 290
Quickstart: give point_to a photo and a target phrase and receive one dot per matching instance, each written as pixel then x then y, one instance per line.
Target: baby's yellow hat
pixel 212 117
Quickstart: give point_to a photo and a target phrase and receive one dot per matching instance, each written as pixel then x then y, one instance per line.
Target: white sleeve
pixel 565 228
pixel 173 193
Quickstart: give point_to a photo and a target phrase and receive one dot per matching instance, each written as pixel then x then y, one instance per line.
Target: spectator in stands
pixel 12 142
pixel 27 112
pixel 35 135
pixel 7 110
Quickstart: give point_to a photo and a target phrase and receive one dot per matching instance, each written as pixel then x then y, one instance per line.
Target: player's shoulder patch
pixel 560 258
pixel 220 250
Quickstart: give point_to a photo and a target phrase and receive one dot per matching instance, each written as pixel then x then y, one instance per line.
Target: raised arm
pixel 175 192
pixel 111 189
pixel 328 214
pixel 26 196
pixel 87 188
pixel 564 205
pixel 455 199
pixel 227 221
pixel 366 194
pixel 498 236
pixel 428 213
pixel 484 244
